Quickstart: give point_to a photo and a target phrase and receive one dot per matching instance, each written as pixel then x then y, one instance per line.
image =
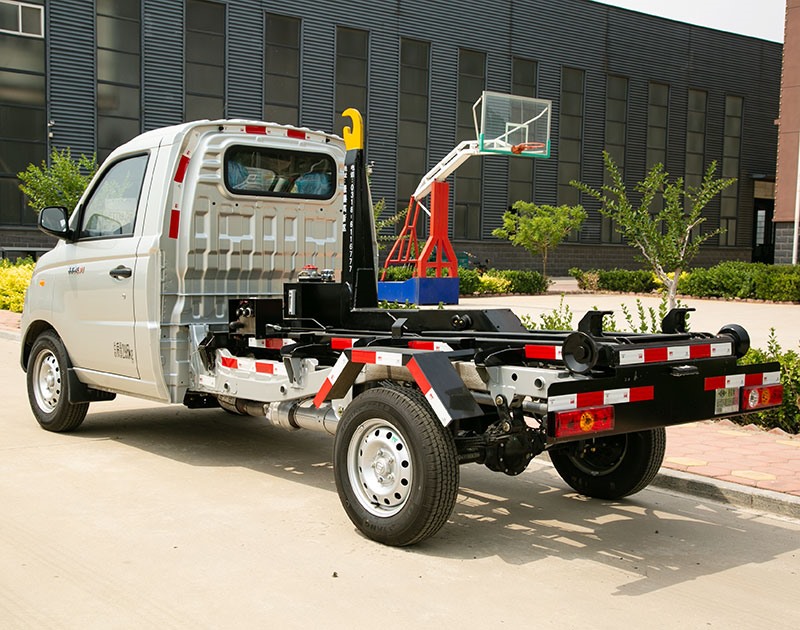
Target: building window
pixel 282 69
pixel 21 18
pixel 520 172
pixel 471 83
pixel 205 60
pixel 23 121
pixel 615 140
pixel 570 135
pixel 657 116
pixel 119 69
pixel 695 139
pixel 352 55
pixel 412 135
pixel 731 155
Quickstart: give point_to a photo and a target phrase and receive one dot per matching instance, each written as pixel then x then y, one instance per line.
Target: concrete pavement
pixel 744 466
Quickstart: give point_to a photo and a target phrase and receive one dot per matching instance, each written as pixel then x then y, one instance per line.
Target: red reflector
pixel 294 133
pixel 257 129
pixel 584 421
pixel 341 343
pixel 760 397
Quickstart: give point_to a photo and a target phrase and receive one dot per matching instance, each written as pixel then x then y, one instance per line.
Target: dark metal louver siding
pixel 317 75
pixel 383 114
pixel 71 75
pixel 245 74
pixel 162 63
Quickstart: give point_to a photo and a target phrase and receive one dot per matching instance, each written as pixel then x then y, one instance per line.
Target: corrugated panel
pixel 495 168
pixel 162 61
pixel 594 99
pixel 71 75
pixel 317 74
pixel 245 68
pixel 382 115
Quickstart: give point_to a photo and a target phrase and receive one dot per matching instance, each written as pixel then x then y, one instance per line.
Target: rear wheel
pixel 611 467
pixel 48 386
pixel 395 466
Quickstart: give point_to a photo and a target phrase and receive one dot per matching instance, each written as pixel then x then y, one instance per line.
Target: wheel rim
pixel 599 457
pixel 380 468
pixel 47 381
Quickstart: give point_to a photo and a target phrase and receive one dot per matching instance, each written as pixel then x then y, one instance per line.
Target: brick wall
pixel 783 243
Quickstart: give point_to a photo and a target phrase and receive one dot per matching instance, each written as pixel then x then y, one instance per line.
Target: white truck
pixel 232 264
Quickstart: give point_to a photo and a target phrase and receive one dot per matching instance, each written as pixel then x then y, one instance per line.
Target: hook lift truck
pixel 190 273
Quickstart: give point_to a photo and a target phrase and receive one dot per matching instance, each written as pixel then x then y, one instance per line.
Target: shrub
pixel 398 273
pixel 587 280
pixel 469 281
pixel 786 416
pixel 527 282
pixel 735 279
pixel 626 280
pixel 493 284
pixel 14 280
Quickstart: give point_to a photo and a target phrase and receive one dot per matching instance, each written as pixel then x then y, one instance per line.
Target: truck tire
pixel 395 466
pixel 611 467
pixel 48 386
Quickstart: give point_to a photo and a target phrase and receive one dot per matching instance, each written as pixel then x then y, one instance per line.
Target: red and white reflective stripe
pixel 547 353
pixel 439 346
pixel 251 366
pixel 675 353
pixel 270 344
pixel 177 185
pixel 327 385
pixel 343 343
pixel 566 402
pixel 430 394
pixel 741 380
pixel 377 358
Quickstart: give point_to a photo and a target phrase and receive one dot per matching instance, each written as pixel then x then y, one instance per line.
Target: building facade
pixel 787 193
pixel 90 74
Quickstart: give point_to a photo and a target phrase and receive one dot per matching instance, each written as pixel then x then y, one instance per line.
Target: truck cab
pixel 175 223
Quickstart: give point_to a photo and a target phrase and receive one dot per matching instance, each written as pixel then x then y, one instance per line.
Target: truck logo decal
pixel 73 270
pixel 123 351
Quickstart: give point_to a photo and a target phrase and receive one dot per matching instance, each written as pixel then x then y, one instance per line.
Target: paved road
pixel 162 517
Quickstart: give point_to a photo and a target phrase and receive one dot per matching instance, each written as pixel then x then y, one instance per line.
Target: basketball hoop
pixel 527 146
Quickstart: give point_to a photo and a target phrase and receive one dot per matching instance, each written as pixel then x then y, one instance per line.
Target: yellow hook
pixel 354 137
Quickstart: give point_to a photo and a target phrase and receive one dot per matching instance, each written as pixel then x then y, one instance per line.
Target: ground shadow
pixel 659 538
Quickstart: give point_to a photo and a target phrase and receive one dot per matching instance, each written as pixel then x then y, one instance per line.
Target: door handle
pixel 121 272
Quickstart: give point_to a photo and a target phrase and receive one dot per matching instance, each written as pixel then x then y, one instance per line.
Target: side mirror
pixel 53 220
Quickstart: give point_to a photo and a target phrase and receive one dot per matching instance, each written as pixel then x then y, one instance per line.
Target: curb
pixel 11 335
pixel 729 493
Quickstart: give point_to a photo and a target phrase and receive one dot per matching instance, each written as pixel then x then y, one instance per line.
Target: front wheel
pixel 611 467
pixel 48 386
pixel 395 466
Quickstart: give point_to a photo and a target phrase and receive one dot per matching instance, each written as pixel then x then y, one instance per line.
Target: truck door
pixel 99 298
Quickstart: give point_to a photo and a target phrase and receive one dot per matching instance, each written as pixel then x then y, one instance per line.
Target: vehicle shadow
pixel 659 539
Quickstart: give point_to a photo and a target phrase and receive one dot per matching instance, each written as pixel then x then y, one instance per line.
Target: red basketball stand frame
pixel 437 253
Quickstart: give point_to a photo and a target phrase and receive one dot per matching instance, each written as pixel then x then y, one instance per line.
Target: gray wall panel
pixel 162 63
pixel 71 75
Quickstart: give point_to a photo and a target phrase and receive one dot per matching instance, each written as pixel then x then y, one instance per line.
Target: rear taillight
pixel 584 421
pixel 761 396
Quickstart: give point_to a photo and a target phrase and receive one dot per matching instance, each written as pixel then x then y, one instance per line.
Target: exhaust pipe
pixel 290 415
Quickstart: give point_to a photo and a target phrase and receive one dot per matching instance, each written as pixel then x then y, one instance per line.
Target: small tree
pixel 669 239
pixel 61 183
pixel 539 228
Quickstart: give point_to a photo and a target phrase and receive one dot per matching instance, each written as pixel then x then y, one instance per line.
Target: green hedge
pixel 616 280
pixel 730 280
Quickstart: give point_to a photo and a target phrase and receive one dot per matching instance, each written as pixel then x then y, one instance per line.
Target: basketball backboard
pixel 512 125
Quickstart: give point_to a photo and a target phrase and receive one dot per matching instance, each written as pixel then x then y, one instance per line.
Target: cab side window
pixel 111 208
